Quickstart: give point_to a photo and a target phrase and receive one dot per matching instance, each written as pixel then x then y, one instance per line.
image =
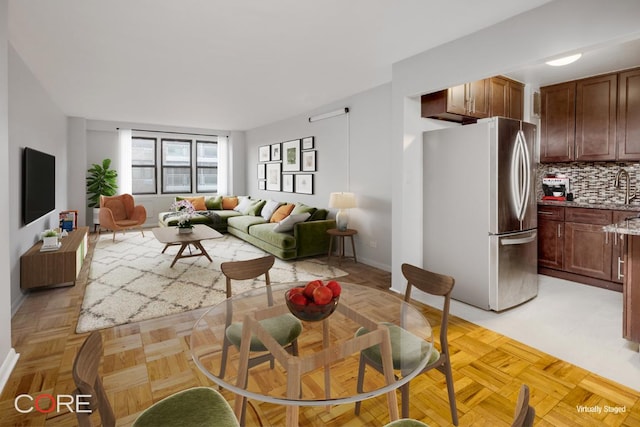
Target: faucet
pixel 627 197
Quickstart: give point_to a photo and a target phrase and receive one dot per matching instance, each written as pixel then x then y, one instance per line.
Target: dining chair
pixel 285 329
pixel 406 422
pixel 434 284
pixel 197 406
pixel 524 413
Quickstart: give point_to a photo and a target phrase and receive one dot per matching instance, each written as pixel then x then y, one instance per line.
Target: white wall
pixel 552 29
pixel 101 141
pixel 36 122
pixel 8 356
pixel 352 153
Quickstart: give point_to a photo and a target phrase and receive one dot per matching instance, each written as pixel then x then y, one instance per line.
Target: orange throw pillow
pixel 282 212
pixel 197 202
pixel 229 202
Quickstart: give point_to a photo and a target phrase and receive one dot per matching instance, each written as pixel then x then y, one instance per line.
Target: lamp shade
pixel 342 200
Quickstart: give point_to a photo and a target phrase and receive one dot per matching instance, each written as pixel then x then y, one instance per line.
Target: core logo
pixel 46 403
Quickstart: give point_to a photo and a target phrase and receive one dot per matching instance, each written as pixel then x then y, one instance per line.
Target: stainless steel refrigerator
pixel 480 211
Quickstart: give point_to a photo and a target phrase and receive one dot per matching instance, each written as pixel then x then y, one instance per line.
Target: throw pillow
pixel 269 208
pixel 243 205
pixel 288 223
pixel 281 213
pixel 197 202
pixel 214 203
pixel 319 215
pixel 302 208
pixel 229 202
pixel 255 208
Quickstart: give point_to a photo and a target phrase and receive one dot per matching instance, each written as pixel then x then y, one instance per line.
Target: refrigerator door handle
pixel 520 175
pixel 518 241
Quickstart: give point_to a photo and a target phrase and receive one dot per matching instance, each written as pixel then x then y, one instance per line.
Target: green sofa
pixel 307 237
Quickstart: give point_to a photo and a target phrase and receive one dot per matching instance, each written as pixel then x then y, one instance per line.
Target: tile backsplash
pixel 593 182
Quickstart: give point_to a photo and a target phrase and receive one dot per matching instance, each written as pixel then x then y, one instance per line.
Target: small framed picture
pixel 291 156
pixel 262 185
pixel 264 153
pixel 309 161
pixel 273 176
pixel 262 170
pixel 287 182
pixel 275 152
pixel 307 143
pixel 304 183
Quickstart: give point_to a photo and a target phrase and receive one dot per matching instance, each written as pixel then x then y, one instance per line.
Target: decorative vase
pixel 50 242
pixel 185 230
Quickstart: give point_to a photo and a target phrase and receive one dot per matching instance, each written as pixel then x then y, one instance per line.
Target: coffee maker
pixel 555 187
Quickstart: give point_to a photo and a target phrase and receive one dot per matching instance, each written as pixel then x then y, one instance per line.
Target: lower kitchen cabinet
pixel 572 245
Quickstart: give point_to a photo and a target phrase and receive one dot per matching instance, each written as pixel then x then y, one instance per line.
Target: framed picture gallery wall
pixel 286 166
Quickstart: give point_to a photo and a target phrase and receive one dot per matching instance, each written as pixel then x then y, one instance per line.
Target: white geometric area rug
pixel 130 279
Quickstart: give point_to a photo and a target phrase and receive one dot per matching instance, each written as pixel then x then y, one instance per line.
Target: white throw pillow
pixel 269 208
pixel 288 223
pixel 243 205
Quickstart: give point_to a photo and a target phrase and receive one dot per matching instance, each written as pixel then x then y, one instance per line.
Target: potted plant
pixel 186 211
pixel 50 239
pixel 101 181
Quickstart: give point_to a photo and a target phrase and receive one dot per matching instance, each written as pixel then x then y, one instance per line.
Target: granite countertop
pixel 630 226
pixel 579 204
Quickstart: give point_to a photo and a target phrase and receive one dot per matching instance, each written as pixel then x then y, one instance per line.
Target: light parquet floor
pixel 147 361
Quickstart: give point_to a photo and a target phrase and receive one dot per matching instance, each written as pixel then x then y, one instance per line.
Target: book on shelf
pixel 69 220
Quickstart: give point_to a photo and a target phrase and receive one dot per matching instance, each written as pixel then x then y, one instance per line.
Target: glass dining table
pixel 324 373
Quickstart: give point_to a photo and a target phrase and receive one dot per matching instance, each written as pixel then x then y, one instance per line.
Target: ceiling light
pixel 565 60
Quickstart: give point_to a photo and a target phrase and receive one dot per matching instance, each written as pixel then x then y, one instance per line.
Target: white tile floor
pixel 577 323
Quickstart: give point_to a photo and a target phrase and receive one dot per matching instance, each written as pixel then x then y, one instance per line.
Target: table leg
pixel 353 248
pixel 330 249
pixel 183 246
pixel 198 245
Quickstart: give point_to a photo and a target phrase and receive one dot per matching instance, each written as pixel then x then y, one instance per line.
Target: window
pixel 143 165
pixel 176 166
pixel 178 161
pixel 206 167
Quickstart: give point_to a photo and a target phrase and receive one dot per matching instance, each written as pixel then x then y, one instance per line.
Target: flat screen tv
pixel 38 184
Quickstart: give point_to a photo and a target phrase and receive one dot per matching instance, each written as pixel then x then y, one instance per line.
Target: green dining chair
pixel 403 360
pixel 406 422
pixel 285 329
pixel 197 406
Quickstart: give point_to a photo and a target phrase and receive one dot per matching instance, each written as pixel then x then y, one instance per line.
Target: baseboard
pixel 7 367
pixel 15 305
pixel 375 264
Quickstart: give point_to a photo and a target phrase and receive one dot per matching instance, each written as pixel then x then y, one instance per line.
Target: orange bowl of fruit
pixel 315 301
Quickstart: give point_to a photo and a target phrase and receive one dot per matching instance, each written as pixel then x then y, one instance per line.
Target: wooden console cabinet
pixel 54 268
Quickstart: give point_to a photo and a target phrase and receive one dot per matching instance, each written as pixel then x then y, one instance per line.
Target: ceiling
pixel 231 65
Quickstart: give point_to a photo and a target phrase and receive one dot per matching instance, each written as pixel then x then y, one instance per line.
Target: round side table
pixel 334 232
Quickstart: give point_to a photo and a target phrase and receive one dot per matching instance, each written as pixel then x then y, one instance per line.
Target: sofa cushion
pixel 319 215
pixel 213 203
pixel 281 213
pixel 302 208
pixel 229 202
pixel 255 208
pixel 269 208
pixel 265 233
pixel 243 222
pixel 197 202
pixel 288 223
pixel 243 205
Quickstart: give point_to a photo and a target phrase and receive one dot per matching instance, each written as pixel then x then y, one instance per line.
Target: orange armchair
pixel 120 213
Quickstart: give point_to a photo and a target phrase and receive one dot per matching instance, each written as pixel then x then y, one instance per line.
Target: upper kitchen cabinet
pixel 628 126
pixel 506 98
pixel 594 119
pixel 463 104
pixel 558 123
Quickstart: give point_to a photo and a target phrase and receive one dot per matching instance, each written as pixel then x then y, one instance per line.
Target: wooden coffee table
pixel 170 237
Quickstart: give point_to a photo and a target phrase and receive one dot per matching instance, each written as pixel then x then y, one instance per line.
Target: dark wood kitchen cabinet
pixel 587 248
pixel 558 123
pixel 596 118
pixel 628 124
pixel 464 103
pixel 572 245
pixel 551 236
pixel 506 98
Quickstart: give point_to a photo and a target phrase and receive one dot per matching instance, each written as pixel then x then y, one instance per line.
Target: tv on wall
pixel 38 184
